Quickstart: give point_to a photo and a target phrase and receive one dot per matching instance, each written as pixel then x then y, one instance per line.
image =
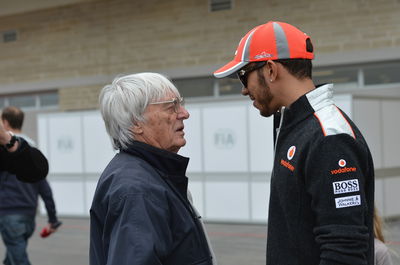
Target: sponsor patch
pixel 343 170
pixel 291 152
pixel 287 165
pixel 342 163
pixel 348 201
pixel 345 186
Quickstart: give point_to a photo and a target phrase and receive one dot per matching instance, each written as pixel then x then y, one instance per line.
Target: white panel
pixel 196 189
pixel 344 102
pixel 90 188
pixel 367 116
pixel 68 196
pixel 260 201
pixel 192 149
pixel 225 139
pixel 42 134
pixel 391 128
pixel 261 141
pixel 391 193
pixel 227 200
pixel 97 149
pixel 65 143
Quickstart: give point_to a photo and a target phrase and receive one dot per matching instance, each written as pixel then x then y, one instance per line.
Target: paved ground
pixel 233 244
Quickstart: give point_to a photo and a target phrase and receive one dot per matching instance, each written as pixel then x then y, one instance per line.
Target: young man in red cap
pixel 322 184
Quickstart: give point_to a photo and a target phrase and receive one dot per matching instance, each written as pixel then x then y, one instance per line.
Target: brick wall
pixel 108 37
pixel 79 98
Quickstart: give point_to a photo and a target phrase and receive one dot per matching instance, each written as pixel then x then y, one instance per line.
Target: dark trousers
pixel 15 231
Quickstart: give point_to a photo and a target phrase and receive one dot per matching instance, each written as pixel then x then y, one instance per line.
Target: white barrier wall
pixel 378 119
pixel 229 144
pixel 231 152
pixel 78 149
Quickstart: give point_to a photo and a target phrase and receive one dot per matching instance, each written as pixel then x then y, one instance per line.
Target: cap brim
pixel 229 69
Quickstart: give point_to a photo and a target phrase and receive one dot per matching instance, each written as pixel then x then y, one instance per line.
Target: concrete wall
pixel 12 7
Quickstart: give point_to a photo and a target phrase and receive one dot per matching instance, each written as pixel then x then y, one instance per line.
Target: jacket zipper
pixel 196 217
pixel 279 129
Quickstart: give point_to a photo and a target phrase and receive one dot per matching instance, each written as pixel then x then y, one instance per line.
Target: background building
pixel 56 55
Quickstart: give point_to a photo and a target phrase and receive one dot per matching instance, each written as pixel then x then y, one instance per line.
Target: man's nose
pixel 183 113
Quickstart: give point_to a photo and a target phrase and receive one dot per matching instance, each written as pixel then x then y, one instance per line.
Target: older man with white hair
pixel 141 213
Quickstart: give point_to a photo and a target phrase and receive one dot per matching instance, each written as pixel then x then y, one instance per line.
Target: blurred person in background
pixel 382 254
pixel 141 212
pixel 19 200
pixel 322 184
pixel 21 159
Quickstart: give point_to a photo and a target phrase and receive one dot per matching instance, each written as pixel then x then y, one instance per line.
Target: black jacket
pixel 141 215
pixel 27 162
pixel 322 187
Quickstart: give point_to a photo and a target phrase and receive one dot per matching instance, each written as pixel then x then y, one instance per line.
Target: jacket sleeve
pixel 47 197
pixel 27 163
pixel 335 179
pixel 139 234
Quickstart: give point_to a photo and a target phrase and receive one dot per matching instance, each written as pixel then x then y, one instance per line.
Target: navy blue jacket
pixel 322 187
pixel 18 197
pixel 141 215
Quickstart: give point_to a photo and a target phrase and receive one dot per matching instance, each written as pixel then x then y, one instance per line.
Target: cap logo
pixel 291 152
pixel 263 55
pixel 342 163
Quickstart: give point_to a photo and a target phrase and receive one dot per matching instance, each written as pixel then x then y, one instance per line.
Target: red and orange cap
pixel 271 41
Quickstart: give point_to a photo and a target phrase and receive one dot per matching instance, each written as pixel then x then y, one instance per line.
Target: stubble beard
pixel 265 109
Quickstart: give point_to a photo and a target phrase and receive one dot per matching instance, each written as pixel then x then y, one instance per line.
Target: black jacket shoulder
pixel 27 162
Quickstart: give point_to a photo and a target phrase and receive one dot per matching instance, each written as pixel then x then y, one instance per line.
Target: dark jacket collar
pixel 305 106
pixel 167 162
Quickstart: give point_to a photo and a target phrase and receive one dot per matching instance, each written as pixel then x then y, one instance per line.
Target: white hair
pixel 124 101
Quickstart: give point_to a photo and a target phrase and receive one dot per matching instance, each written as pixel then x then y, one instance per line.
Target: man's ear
pixel 272 70
pixel 137 128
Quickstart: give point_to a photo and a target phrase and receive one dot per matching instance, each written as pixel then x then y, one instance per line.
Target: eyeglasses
pixel 243 74
pixel 178 103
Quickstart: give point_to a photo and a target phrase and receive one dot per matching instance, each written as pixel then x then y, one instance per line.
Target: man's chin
pixel 179 145
pixel 183 143
pixel 263 112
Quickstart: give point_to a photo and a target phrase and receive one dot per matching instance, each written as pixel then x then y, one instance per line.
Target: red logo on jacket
pixel 287 165
pixel 343 169
pixel 291 152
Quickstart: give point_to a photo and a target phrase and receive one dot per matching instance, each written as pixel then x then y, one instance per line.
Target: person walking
pixel 15 151
pixel 19 201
